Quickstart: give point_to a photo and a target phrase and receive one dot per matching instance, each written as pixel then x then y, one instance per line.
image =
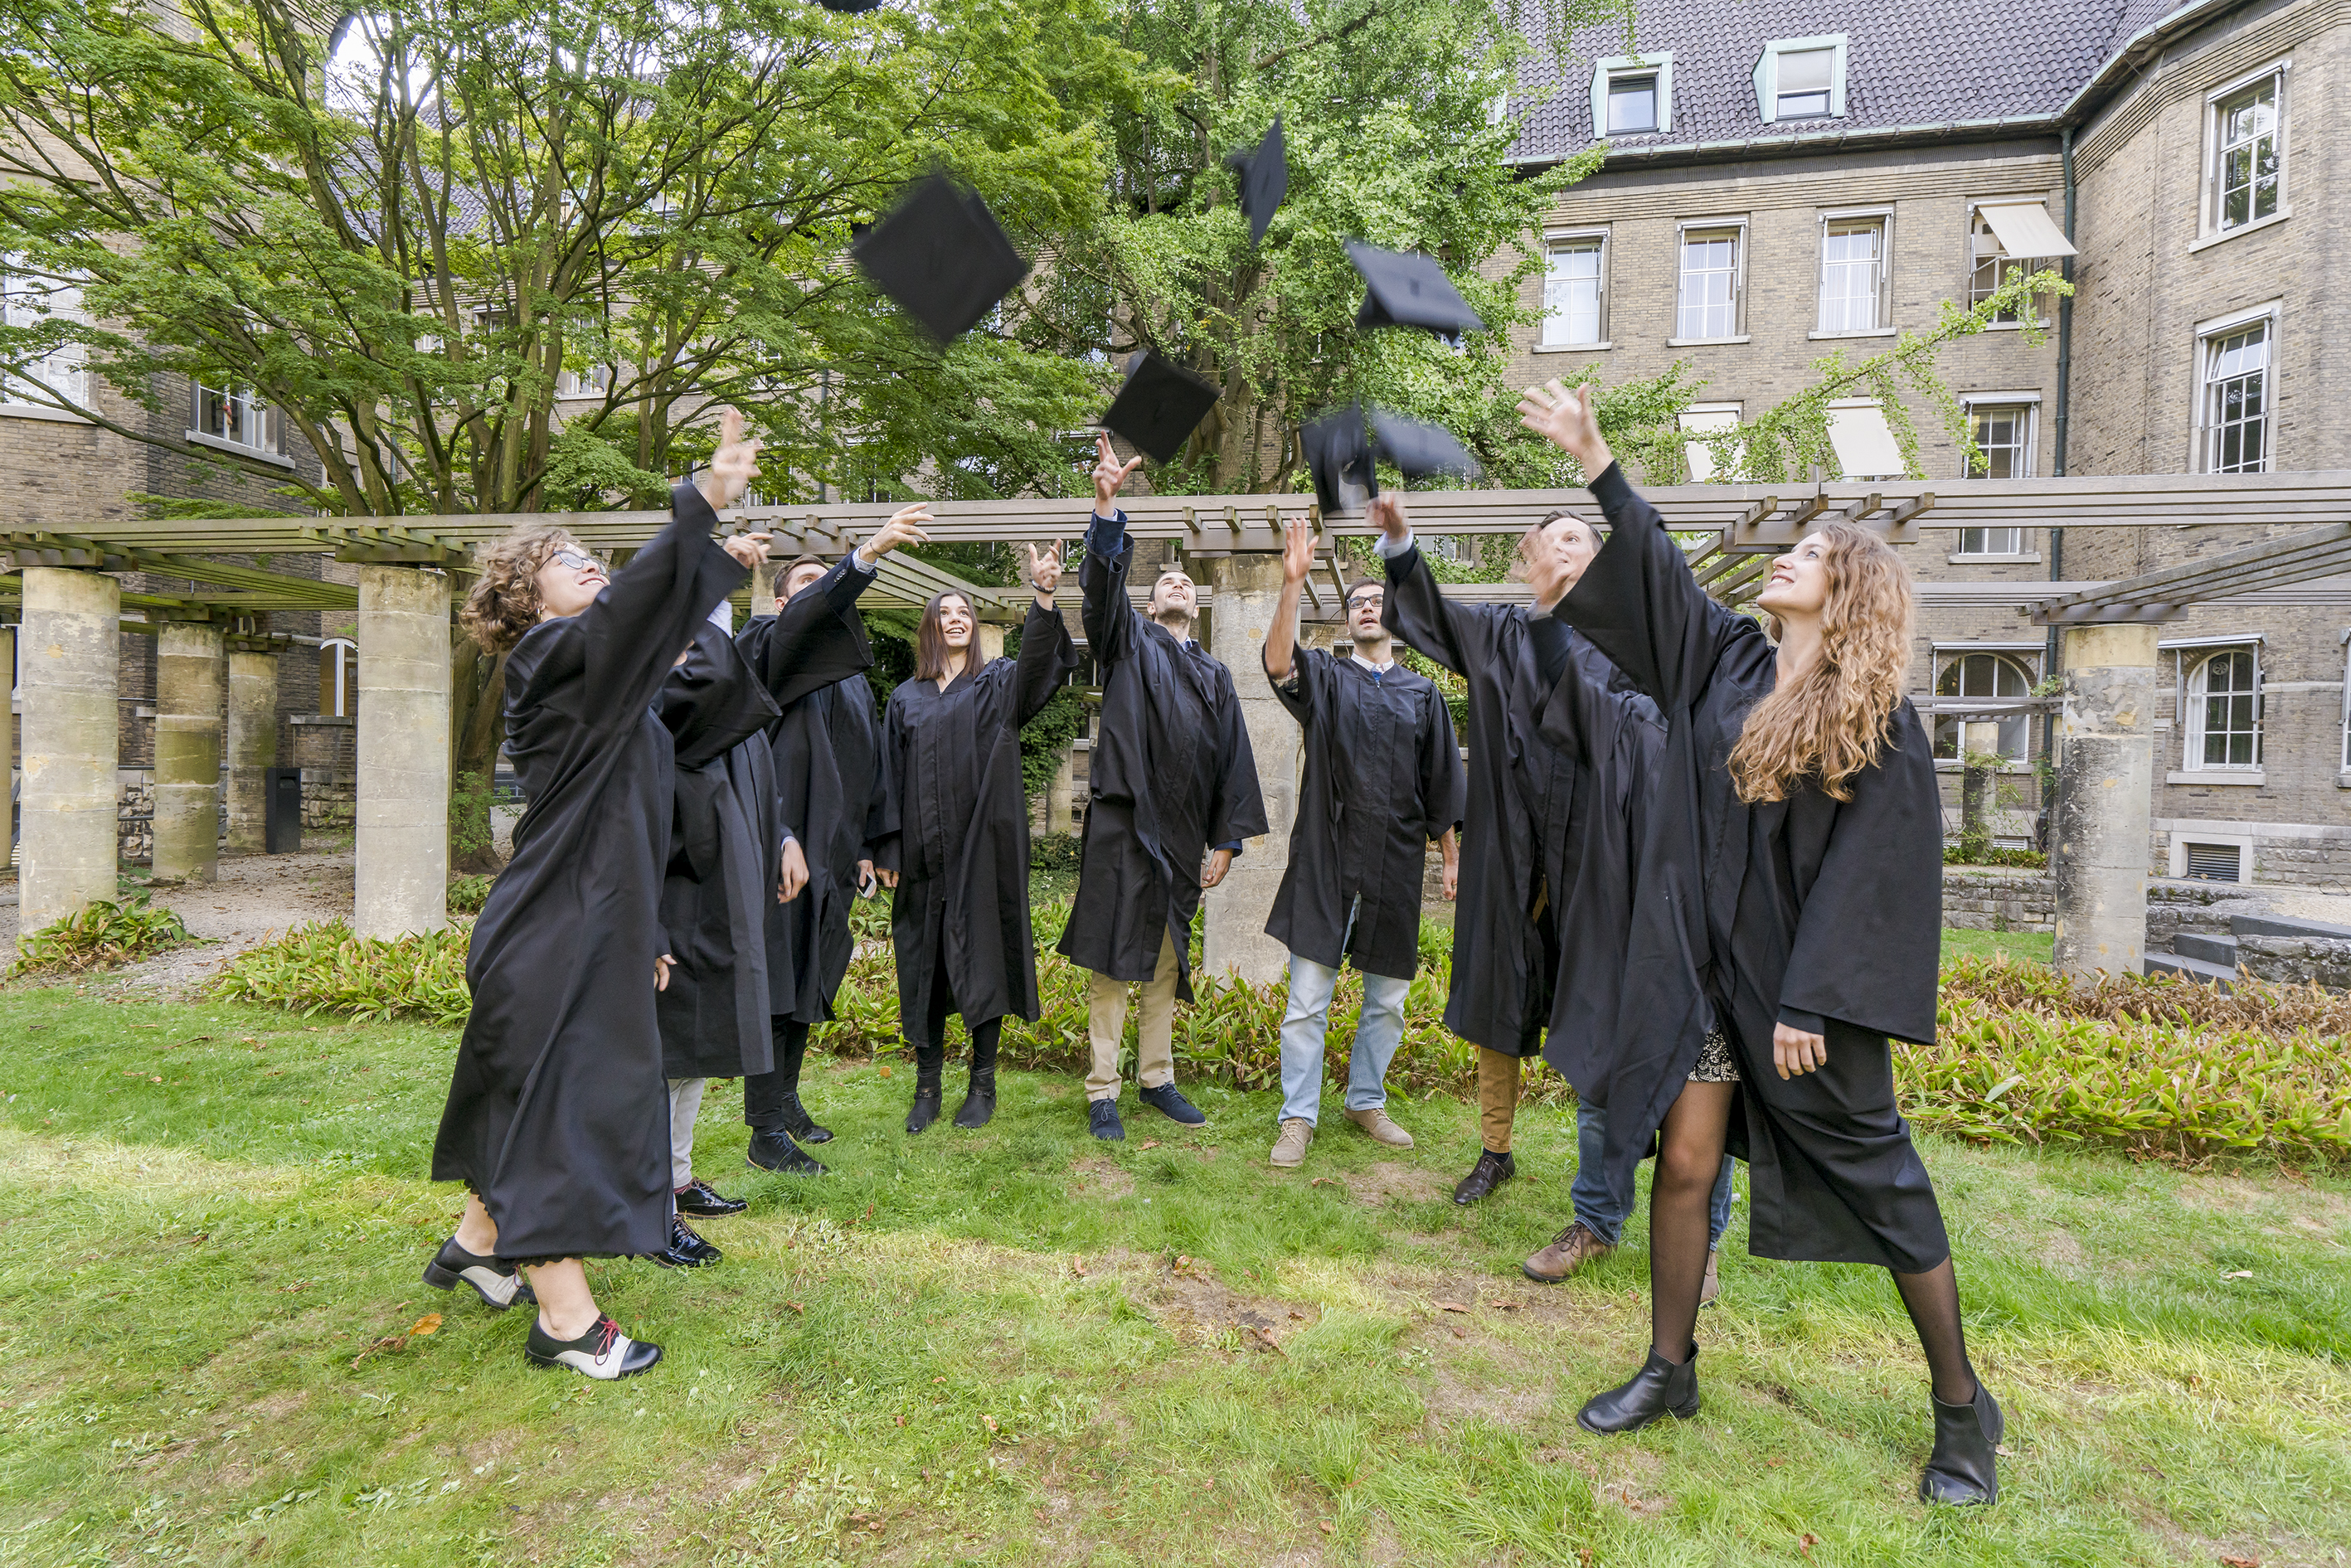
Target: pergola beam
pixel 2161 595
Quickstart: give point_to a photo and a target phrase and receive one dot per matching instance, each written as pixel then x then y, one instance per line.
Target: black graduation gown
pixel 1824 914
pixel 955 827
pixel 557 1116
pixel 827 748
pixel 1170 774
pixel 1382 778
pixel 1519 794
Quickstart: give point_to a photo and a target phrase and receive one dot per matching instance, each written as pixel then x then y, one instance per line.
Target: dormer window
pixel 1633 95
pixel 1801 78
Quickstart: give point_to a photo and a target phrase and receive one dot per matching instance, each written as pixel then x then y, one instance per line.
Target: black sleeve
pixel 1237 810
pixel 1048 659
pixel 1639 604
pixel 1307 692
pixel 1461 637
pixel 1109 620
pixel 882 824
pixel 1444 787
pixel 630 637
pixel 815 638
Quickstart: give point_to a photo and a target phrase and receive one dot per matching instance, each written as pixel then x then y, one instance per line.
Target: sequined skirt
pixel 1715 1062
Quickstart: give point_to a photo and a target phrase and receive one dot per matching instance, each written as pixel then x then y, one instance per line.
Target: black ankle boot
pixel 773 1150
pixel 1963 1471
pixel 925 1111
pixel 980 1099
pixel 797 1121
pixel 1659 1388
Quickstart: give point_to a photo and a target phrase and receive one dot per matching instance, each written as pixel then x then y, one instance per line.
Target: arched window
pixel 339 670
pixel 1985 675
pixel 2224 722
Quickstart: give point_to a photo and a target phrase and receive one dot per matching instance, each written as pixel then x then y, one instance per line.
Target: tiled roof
pixel 1909 63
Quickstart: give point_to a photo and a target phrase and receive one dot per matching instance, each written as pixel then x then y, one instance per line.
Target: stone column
pixel 2105 798
pixel 763 586
pixel 188 700
pixel 1061 799
pixel 1244 590
pixel 402 820
pixel 989 638
pixel 252 747
pixel 70 675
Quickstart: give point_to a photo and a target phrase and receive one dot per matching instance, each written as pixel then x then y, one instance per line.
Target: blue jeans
pixel 1308 1022
pixel 1593 1205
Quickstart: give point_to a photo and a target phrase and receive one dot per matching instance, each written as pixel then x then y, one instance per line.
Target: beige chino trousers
pixel 1155 1051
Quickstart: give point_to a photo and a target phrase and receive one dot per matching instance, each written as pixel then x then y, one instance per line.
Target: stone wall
pixel 1998 898
pixel 134 813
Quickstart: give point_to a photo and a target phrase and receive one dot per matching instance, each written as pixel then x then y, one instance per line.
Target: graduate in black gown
pixel 827 751
pixel 1172 794
pixel 1786 922
pixel 556 1117
pixel 954 838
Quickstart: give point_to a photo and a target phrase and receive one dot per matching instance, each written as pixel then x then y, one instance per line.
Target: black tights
pixel 1689 1155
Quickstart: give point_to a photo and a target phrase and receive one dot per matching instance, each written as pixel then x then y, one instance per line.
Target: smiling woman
pixel 532 571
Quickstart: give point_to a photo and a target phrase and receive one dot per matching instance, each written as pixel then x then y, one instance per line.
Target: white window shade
pixel 2025 228
pixel 1700 420
pixel 1865 447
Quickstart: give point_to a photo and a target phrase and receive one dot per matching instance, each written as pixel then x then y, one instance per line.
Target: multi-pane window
pixel 1802 88
pixel 2224 710
pixel 61 374
pixel 1993 268
pixel 2248 165
pixel 2004 436
pixel 1853 272
pixel 2236 400
pixel 1708 306
pixel 233 415
pixel 1575 287
pixel 2004 677
pixel 590 381
pixel 1632 102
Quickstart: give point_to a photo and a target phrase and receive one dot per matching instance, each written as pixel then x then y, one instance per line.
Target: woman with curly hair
pixel 1787 920
pixel 558 1118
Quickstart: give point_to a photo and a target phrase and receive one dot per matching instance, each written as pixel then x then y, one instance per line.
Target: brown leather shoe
pixel 1713 1286
pixel 1383 1131
pixel 1289 1148
pixel 1570 1250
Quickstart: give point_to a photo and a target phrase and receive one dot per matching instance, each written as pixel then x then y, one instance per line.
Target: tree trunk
pixel 476 728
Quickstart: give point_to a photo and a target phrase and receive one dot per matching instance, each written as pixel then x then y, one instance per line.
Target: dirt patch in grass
pixel 1198 1312
pixel 1097 1177
pixel 1387 1179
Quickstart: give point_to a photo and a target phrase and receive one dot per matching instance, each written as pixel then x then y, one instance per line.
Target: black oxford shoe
pixel 1963 1470
pixel 776 1152
pixel 499 1283
pixel 686 1248
pixel 699 1199
pixel 1491 1172
pixel 603 1352
pixel 1660 1388
pixel 799 1123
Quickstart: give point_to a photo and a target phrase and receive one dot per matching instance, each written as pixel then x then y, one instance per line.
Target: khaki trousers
pixel 1154 1049
pixel 1498 1097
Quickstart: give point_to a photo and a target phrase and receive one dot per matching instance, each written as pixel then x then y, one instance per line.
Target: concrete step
pixel 2219 974
pixel 2220 950
pixel 2281 926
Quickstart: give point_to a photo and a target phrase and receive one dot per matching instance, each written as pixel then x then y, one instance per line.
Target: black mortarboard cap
pixel 1265 180
pixel 1406 289
pixel 941 255
pixel 850 6
pixel 1416 448
pixel 1161 403
pixel 1340 455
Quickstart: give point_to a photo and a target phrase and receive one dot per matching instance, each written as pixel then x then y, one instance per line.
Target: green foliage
pixel 1988 854
pixel 323 968
pixel 470 829
pixel 468 894
pixel 100 935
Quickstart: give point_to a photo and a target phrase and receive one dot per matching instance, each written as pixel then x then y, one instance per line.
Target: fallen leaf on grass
pixel 1326 1527
pixel 2238 1274
pixel 1299 1316
pixel 1809 1542
pixel 794 1307
pixel 1078 1266
pixel 2229 1561
pixel 429 1323
pixel 884 1071
pixel 2001 1450
pixel 1322 1181
pixel 1148 1143
pixel 1452 1307
pixel 989 1422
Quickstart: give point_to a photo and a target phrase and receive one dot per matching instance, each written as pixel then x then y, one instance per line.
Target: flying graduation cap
pixel 1406 289
pixel 849 7
pixel 1161 403
pixel 1340 455
pixel 942 256
pixel 1418 449
pixel 1265 180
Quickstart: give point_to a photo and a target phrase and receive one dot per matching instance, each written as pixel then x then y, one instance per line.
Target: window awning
pixel 1865 447
pixel 2024 229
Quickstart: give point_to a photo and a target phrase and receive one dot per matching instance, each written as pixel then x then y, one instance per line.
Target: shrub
pixel 1967 854
pixel 468 894
pixel 100 936
pixel 324 968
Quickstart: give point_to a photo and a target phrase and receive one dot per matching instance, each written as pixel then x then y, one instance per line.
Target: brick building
pixel 1791 179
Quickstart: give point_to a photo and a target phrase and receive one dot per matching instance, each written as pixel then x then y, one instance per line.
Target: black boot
pixel 772 1149
pixel 791 1052
pixel 1659 1388
pixel 928 1061
pixel 1491 1172
pixel 980 1099
pixel 1962 1469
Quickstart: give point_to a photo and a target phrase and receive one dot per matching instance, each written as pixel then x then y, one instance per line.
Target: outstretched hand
pixel 734 465
pixel 1045 572
pixel 1385 511
pixel 1297 552
pixel 904 527
pixel 1110 474
pixel 1565 419
pixel 748 549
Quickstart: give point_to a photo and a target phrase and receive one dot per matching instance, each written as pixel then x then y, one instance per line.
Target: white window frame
pixel 1766 76
pixel 2013 546
pixel 262 420
pixel 591 382
pixel 1563 237
pixel 1737 228
pixel 1948 656
pixel 1661 66
pixel 336 704
pixel 2026 265
pixel 2190 657
pixel 2204 432
pixel 2209 195
pixel 25 301
pixel 2343 758
pixel 1882 308
pixel 1696 453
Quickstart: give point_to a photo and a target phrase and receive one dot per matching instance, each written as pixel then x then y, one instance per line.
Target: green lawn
pixel 1022 1346
pixel 1960 943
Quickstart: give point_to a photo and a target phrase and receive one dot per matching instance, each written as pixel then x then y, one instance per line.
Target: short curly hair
pixel 504 603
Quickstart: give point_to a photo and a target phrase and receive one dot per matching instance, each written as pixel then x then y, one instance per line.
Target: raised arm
pixel 1048 657
pixel 630 637
pixel 818 637
pixel 1461 637
pixel 1110 621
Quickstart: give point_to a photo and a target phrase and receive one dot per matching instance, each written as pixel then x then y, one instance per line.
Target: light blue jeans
pixel 1592 1204
pixel 1308 1022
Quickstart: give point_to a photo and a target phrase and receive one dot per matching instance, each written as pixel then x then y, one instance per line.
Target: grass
pixel 2036 946
pixel 1022 1346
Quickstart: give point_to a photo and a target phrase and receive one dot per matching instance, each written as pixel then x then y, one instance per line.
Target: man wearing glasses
pixel 1382 780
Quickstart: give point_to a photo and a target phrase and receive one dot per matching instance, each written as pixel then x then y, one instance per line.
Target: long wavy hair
pixel 1830 722
pixel 930 648
pixel 504 604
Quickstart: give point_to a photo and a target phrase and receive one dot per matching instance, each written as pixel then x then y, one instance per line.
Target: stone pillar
pixel 2105 798
pixel 1061 798
pixel 989 638
pixel 1244 590
pixel 1976 791
pixel 763 586
pixel 188 700
pixel 402 820
pixel 70 675
pixel 252 748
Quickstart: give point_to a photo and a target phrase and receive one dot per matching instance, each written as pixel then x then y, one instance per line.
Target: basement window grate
pixel 2215 863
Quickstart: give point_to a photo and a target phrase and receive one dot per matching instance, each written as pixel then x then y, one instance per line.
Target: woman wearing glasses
pixel 557 1114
